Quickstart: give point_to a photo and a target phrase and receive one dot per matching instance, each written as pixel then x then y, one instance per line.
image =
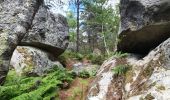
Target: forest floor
pixel 78 88
pixel 70 83
pixel 77 91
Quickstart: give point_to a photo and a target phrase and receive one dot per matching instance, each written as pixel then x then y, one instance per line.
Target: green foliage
pixel 96 59
pixel 72 23
pixel 77 91
pixel 70 55
pixel 83 82
pixel 84 74
pixel 102 21
pixel 93 72
pixel 98 21
pixel 34 88
pixel 71 20
pixel 120 70
pixel 72 36
pixel 119 54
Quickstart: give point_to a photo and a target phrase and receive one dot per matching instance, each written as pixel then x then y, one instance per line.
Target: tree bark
pixel 78 25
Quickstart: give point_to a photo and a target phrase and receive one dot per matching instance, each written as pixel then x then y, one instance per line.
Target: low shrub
pixel 96 59
pixel 71 54
pixel 84 74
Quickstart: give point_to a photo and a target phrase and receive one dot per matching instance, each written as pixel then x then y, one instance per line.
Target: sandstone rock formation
pixel 21 17
pixel 32 61
pixel 146 78
pixel 49 32
pixel 144 24
pixel 145 29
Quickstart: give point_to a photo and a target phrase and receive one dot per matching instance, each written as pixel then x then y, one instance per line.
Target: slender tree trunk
pixel 89 40
pixel 105 45
pixel 104 38
pixel 78 38
pixel 95 40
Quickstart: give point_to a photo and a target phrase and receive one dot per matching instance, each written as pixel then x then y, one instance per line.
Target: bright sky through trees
pixel 58 6
pixel 62 6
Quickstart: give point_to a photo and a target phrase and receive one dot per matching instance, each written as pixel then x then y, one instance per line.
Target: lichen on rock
pixel 144 34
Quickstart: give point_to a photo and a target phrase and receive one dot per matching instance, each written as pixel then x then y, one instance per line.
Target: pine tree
pixel 100 20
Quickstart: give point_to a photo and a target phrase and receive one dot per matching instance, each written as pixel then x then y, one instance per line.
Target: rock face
pixel 144 30
pixel 21 17
pixel 80 67
pixel 15 20
pixel 146 79
pixel 49 32
pixel 152 77
pixel 105 85
pixel 144 24
pixel 32 61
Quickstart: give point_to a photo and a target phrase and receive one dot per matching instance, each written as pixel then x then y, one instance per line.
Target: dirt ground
pixel 77 90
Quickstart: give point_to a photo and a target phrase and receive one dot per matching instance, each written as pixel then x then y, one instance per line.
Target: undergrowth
pixel 84 74
pixel 71 54
pixel 34 88
pixel 119 54
pixel 120 70
pixel 95 59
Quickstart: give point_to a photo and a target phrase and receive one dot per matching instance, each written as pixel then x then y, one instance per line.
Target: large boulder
pixel 146 79
pixel 49 32
pixel 29 23
pixel 16 17
pixel 144 25
pixel 32 61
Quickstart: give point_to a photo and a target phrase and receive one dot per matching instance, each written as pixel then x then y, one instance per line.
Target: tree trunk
pixel 104 39
pixel 89 39
pixel 78 7
pixel 105 45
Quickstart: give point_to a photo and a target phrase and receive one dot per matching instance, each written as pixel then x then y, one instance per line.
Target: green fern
pixel 34 88
pixel 120 70
pixel 119 54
